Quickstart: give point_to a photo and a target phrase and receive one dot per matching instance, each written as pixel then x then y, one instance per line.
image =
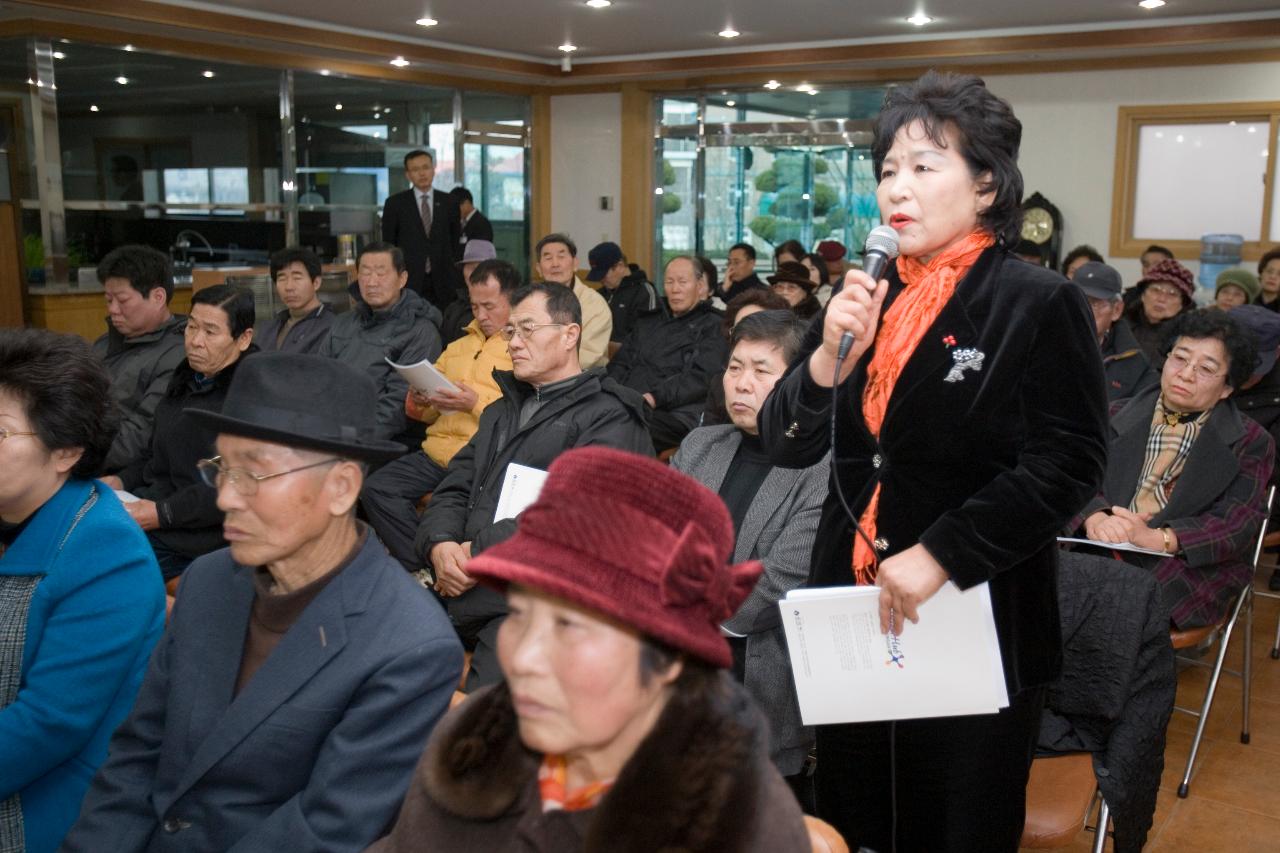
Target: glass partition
pixel 765 167
pixel 188 155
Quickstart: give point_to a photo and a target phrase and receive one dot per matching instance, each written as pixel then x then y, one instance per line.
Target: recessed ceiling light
pixel 206 73
pixel 772 84
pixel 919 19
pixel 730 103
pixel 426 22
pixel 337 106
pixel 599 4
pixel 57 54
pixel 122 80
pixel 399 62
pixel 728 33
pixel 93 108
pixel 812 91
pixel 130 48
pixel 568 48
pixel 1151 4
pixel 325 72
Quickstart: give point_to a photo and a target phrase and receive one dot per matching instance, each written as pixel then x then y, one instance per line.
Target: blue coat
pixel 316 751
pixel 91 625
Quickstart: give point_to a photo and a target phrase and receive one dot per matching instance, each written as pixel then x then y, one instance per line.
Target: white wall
pixel 586 163
pixel 1069 132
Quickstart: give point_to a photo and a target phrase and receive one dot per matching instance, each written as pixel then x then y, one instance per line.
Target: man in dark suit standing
pixel 427 227
pixel 475 225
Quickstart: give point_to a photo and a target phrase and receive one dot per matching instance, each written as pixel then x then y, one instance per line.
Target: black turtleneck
pixel 746 472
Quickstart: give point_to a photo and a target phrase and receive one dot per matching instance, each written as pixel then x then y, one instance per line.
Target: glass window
pixel 1218 155
pixel 1218 164
pixel 353 135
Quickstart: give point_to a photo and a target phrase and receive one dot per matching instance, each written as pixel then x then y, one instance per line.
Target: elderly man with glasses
pixel 1186 471
pixel 548 405
pixel 302 670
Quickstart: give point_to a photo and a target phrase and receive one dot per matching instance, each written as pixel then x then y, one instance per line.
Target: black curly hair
pixel 1242 352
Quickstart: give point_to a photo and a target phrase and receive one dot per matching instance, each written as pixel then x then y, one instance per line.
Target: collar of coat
pixel 683 789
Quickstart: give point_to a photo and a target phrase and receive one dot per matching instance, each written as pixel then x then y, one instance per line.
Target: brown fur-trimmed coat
pixel 700 781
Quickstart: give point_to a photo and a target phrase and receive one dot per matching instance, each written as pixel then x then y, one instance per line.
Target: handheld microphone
pixel 881 247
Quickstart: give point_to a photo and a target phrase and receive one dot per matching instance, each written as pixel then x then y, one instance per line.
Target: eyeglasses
pixel 243 481
pixel 1164 290
pixel 8 433
pixel 524 329
pixel 1201 371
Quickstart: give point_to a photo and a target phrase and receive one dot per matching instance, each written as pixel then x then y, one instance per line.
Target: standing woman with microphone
pixel 969 419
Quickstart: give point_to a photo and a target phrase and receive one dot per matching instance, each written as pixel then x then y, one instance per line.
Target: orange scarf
pixel 553 781
pixel 927 287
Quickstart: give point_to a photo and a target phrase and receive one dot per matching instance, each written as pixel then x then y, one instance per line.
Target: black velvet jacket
pixel 995 436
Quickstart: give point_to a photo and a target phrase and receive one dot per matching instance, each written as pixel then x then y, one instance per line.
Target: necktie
pixel 424 207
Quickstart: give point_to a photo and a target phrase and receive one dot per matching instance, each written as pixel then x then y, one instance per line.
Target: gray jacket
pixel 779 530
pixel 140 368
pixel 306 336
pixel 406 333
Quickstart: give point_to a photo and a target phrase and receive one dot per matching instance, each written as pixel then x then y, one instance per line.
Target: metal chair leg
pixel 1104 820
pixel 1223 642
pixel 1246 671
pixel 1275 645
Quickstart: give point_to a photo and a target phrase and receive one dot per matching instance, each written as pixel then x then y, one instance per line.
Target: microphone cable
pixel 841 355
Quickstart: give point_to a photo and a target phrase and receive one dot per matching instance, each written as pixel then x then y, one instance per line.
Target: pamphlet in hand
pixel 1111 546
pixel 424 377
pixel 846 671
pixel 520 487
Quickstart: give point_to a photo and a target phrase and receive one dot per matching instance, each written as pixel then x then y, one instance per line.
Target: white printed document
pixel 520 487
pixel 423 376
pixel 1110 546
pixel 846 671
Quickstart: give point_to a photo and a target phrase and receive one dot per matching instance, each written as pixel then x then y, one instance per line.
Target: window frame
pixel 1129 124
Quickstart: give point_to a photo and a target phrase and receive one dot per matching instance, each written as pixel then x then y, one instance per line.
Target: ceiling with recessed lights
pixel 535 29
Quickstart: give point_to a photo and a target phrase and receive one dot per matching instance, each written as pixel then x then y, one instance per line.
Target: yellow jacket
pixel 597 326
pixel 471 359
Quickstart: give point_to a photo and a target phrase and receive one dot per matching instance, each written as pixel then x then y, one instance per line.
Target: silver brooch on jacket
pixel 964 359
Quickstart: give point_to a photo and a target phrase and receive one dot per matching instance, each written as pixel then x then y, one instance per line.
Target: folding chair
pixel 1060 796
pixel 1271 541
pixel 1195 636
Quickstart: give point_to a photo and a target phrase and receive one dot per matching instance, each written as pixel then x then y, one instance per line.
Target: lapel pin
pixel 964 359
pixel 949 340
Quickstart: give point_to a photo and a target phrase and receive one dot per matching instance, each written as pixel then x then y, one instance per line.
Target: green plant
pixel 33 252
pixel 670 203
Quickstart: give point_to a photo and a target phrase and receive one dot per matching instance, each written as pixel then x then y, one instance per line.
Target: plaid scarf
pixel 1168 446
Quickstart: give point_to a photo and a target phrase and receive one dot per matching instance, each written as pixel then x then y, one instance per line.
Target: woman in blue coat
pixel 81 598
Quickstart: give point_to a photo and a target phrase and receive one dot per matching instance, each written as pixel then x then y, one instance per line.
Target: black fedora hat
pixel 793 272
pixel 303 401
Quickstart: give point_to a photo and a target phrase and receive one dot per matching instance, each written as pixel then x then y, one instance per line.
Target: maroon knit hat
pixel 1171 272
pixel 633 539
pixel 832 250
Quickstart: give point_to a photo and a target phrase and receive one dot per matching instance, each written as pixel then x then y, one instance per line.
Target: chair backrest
pixel 823 836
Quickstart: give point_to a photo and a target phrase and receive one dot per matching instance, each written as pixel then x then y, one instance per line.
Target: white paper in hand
pixel 846 671
pixel 520 487
pixel 423 376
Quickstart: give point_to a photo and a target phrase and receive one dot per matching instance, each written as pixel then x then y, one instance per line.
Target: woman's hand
pixel 1141 533
pixel 1117 526
pixel 906 581
pixel 856 309
pixel 144 512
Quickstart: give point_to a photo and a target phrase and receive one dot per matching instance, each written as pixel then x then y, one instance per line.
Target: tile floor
pixel 1234 801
